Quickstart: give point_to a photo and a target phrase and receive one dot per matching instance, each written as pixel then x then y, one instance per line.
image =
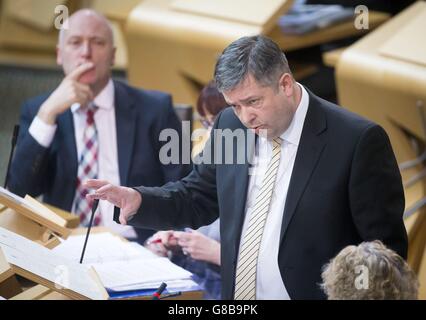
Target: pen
pixel 156 241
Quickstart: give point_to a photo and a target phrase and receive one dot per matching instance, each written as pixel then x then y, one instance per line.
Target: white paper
pixel 44 263
pixel 139 273
pixel 101 247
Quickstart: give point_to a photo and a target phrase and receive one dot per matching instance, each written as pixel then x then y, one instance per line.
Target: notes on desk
pixel 139 274
pixel 101 247
pixel 42 262
pixel 125 266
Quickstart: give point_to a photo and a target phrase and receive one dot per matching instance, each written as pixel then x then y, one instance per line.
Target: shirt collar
pixel 294 131
pixel 104 100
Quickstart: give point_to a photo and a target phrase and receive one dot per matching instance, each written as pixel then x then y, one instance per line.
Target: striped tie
pixel 245 282
pixel 87 168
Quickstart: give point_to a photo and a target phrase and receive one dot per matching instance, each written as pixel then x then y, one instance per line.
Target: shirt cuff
pixel 42 132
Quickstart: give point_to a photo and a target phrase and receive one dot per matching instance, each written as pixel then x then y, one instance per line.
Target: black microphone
pixel 157 294
pixel 94 207
pixel 12 150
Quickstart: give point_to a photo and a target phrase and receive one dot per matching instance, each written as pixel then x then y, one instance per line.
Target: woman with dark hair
pixel 210 103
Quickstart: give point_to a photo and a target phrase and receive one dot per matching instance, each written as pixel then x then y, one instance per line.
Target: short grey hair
pixel 389 276
pixel 256 55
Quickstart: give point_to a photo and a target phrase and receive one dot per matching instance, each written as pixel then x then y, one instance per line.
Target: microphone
pixel 94 207
pixel 157 294
pixel 14 140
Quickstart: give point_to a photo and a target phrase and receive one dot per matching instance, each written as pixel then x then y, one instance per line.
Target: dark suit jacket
pixel 345 188
pixel 52 172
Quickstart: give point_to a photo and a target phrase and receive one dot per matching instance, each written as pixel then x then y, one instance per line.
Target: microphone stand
pixel 94 207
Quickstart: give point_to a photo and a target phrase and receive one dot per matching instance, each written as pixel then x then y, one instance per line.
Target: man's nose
pixel 247 116
pixel 86 49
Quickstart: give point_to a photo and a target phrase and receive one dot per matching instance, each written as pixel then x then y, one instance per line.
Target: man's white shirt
pixel 106 126
pixel 269 284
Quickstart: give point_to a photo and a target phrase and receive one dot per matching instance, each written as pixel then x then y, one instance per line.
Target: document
pixel 101 247
pixel 123 265
pixel 44 263
pixel 139 273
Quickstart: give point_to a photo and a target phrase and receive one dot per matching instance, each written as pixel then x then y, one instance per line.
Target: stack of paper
pixel 125 266
pixel 101 247
pixel 141 274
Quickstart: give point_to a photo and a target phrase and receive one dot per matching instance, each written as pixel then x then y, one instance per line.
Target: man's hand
pixel 127 199
pixel 198 246
pixel 70 91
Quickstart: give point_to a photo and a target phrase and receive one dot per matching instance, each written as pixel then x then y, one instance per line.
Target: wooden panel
pixel 35 293
pixel 32 215
pixel 5 269
pixel 113 9
pixel 405 44
pixel 259 13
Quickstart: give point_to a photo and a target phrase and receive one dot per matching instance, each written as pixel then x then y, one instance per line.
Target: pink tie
pixel 88 168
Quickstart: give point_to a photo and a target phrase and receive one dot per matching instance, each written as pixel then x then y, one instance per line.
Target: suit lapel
pixel 312 143
pixel 66 131
pixel 66 123
pixel 125 119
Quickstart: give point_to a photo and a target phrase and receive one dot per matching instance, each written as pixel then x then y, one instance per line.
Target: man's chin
pixel 262 132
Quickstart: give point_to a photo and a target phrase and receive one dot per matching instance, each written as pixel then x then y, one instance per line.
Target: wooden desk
pixel 40 292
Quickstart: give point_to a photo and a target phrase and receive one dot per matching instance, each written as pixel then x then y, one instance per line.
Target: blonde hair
pixel 388 276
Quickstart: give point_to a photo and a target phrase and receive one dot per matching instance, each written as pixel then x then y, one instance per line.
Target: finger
pixel 84 94
pixel 94 183
pixel 185 236
pixel 178 234
pixel 122 219
pixel 107 189
pixel 84 88
pixel 165 236
pixel 182 242
pixel 80 70
pixel 94 196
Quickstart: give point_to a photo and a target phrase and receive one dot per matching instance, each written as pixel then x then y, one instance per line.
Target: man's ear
pixel 286 84
pixel 58 56
pixel 114 53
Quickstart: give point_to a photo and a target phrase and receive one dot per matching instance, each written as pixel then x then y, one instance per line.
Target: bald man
pixel 91 126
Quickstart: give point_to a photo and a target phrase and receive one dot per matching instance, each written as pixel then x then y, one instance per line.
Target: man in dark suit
pixel 316 179
pixel 118 140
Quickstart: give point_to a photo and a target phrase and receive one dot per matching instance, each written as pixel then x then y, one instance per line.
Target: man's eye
pixel 99 42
